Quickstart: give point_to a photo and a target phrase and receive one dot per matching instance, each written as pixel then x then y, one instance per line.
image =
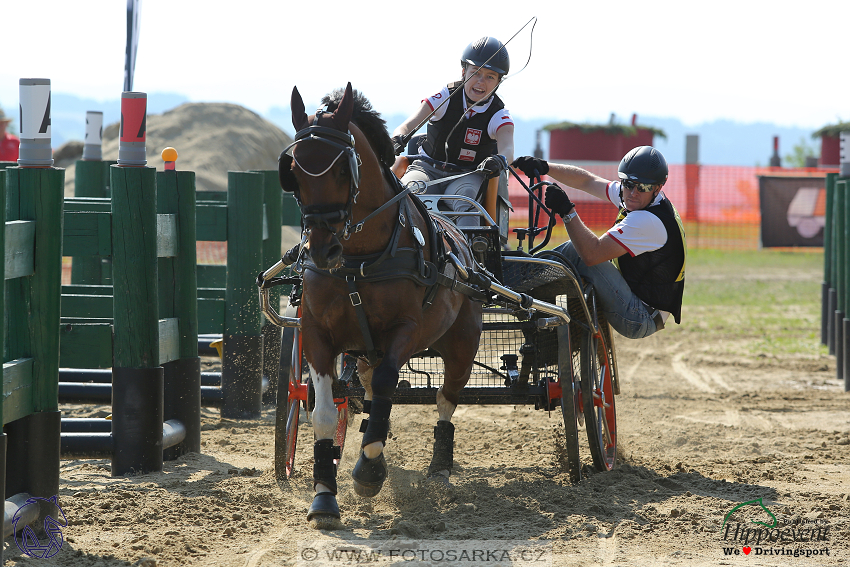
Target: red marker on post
pixel 169 156
pixel 133 132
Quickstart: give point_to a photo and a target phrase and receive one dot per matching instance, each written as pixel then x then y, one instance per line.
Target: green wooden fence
pixel 835 325
pixel 147 331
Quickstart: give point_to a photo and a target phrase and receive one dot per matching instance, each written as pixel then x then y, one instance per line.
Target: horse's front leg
pixel 370 472
pixel 458 348
pixel 324 511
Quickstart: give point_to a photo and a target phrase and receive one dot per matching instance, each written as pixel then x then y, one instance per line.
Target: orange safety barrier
pixel 719 204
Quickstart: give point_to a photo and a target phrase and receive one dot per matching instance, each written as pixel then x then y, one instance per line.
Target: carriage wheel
pixel 597 392
pixel 288 411
pixel 570 401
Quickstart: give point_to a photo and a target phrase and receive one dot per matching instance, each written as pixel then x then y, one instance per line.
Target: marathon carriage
pixel 542 342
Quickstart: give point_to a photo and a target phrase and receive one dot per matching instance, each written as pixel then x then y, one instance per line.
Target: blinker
pixel 288 182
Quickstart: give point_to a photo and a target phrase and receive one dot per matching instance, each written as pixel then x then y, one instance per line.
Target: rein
pixel 418 187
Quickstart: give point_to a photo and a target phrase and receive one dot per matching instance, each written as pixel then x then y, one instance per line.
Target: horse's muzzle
pixel 328 254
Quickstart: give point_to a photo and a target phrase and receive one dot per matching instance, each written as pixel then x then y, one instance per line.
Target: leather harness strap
pixel 371 353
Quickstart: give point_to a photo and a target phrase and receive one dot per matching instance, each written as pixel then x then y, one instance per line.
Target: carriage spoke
pixel 599 399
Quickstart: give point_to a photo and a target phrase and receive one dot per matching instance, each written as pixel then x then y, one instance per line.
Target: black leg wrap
pixel 444 443
pixel 367 409
pixel 378 424
pixel 324 469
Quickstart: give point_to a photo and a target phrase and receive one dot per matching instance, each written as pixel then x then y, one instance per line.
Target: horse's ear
pixel 288 182
pixel 296 106
pixel 342 115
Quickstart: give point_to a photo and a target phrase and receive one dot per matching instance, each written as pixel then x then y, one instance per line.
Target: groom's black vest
pixel 658 277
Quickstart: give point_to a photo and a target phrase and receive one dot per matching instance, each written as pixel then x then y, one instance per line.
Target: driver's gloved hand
pixel 531 166
pixel 398 144
pixel 493 166
pixel 557 201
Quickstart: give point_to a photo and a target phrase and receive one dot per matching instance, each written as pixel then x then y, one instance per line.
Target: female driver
pixel 467 132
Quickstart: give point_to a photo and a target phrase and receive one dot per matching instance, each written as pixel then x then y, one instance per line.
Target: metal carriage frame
pixel 544 342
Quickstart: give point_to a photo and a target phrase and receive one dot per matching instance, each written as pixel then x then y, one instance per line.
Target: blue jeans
pixel 626 313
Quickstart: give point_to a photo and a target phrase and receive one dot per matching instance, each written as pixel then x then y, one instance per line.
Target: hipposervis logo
pixel 761 533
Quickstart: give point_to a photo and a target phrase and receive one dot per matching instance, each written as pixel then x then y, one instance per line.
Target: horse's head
pixel 324 174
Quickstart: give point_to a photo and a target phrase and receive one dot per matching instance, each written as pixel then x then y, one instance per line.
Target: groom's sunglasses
pixel 641 187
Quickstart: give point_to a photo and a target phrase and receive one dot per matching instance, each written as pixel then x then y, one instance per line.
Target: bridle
pixel 324 216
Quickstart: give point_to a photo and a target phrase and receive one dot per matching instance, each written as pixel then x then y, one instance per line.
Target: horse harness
pixel 393 262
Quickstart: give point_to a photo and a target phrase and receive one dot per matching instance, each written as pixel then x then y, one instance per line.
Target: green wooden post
pixel 3 320
pixel 176 194
pixel 840 274
pixel 137 378
pixel 35 194
pixel 845 347
pixel 135 312
pixel 89 181
pixel 826 313
pixel 241 372
pixel 291 213
pixel 271 253
pixel 840 242
pixel 2 356
pixel 832 296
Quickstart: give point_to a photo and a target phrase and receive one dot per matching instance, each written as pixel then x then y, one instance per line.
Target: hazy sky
pixel 741 60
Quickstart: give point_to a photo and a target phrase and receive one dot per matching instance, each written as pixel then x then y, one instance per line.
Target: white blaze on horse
pixel 375 284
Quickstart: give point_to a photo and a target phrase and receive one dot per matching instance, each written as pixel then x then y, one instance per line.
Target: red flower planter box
pixel 573 144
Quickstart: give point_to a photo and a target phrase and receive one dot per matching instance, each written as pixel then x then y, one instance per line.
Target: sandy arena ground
pixel 700 433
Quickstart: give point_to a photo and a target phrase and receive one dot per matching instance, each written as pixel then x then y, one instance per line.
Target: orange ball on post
pixel 169 156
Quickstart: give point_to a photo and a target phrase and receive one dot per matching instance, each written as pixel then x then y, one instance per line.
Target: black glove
pixel 558 201
pixel 531 166
pixel 398 144
pixel 493 166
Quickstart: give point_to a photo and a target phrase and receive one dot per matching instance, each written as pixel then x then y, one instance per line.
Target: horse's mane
pixel 369 121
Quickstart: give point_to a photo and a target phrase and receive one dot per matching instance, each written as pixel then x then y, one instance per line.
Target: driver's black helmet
pixel 479 51
pixel 643 164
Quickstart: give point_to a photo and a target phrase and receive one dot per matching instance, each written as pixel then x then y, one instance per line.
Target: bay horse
pixel 378 282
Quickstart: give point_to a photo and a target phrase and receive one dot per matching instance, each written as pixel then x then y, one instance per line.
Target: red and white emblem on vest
pixel 467 155
pixel 473 136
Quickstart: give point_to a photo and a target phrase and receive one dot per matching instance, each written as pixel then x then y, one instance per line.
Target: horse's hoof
pixel 324 512
pixel 369 475
pixel 325 522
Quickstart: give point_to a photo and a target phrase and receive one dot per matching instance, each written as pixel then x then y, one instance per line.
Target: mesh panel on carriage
pixel 540 280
